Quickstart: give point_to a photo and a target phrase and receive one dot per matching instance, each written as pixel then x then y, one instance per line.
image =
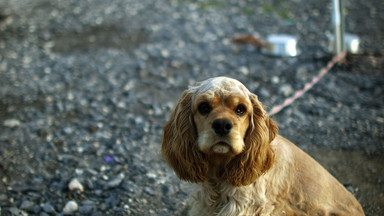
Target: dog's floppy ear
pixel 179 145
pixel 258 156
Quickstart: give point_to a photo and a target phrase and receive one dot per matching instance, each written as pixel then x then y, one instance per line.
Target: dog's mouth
pixel 221 148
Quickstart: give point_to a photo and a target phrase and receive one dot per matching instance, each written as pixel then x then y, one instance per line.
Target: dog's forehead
pixel 221 86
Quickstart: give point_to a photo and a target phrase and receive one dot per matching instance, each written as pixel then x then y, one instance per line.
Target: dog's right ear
pixel 179 145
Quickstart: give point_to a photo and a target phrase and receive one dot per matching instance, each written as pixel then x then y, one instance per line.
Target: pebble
pixel 12 123
pixel 286 90
pixel 27 205
pixel 71 207
pixel 263 92
pixel 86 209
pixel 14 211
pixel 150 191
pixel 3 197
pixel 115 182
pixel 48 208
pixel 75 185
pixel 275 80
pixel 244 70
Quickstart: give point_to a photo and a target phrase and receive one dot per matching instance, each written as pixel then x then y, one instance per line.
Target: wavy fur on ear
pixel 179 145
pixel 258 155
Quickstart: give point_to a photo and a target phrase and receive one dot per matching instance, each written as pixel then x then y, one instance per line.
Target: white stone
pixel 75 185
pixel 70 207
pixel 12 123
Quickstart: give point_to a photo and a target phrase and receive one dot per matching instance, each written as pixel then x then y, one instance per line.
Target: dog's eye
pixel 240 110
pixel 204 108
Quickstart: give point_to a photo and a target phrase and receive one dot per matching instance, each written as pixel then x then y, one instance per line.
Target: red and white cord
pixel 308 85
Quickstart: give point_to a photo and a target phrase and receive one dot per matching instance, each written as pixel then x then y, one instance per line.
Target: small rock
pixel 165 189
pixel 244 70
pixel 35 209
pixel 14 211
pixel 88 202
pixel 115 182
pixel 70 207
pixel 132 188
pixel 111 201
pixel 165 53
pixel 12 123
pixel 48 208
pixel 75 185
pixel 275 80
pixel 68 130
pixel 286 89
pixel 27 205
pixel 264 93
pixel 44 214
pixel 3 198
pixel 150 191
pixel 89 184
pixel 98 192
pixel 87 209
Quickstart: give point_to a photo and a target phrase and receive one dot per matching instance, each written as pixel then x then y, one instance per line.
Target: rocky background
pixel 86 86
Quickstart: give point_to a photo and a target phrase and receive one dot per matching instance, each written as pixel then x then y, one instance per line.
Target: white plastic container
pixel 282 45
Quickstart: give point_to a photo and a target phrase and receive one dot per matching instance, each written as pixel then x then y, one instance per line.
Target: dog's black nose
pixel 222 126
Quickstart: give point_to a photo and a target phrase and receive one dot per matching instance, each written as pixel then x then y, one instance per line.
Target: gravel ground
pixel 85 87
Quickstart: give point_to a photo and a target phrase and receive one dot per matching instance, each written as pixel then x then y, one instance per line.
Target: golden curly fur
pixel 220 137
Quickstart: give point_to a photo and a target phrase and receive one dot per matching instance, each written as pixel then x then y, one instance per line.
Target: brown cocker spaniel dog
pixel 220 137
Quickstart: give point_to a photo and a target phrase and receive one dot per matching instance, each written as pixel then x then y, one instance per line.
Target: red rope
pixel 309 85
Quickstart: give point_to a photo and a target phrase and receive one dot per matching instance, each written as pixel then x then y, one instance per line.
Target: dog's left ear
pixel 258 155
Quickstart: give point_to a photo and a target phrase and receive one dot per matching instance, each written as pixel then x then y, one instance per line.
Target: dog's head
pixel 219 123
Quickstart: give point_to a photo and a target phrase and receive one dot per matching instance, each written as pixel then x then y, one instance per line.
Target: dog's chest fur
pixel 220 198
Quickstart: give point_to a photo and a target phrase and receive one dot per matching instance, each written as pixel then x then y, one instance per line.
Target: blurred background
pixel 86 86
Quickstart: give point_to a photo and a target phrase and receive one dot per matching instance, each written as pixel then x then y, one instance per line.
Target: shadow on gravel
pixel 99 37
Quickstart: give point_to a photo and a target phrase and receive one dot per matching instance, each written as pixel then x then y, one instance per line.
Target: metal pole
pixel 338 22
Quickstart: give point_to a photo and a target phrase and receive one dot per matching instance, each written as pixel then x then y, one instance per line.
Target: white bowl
pixel 282 45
